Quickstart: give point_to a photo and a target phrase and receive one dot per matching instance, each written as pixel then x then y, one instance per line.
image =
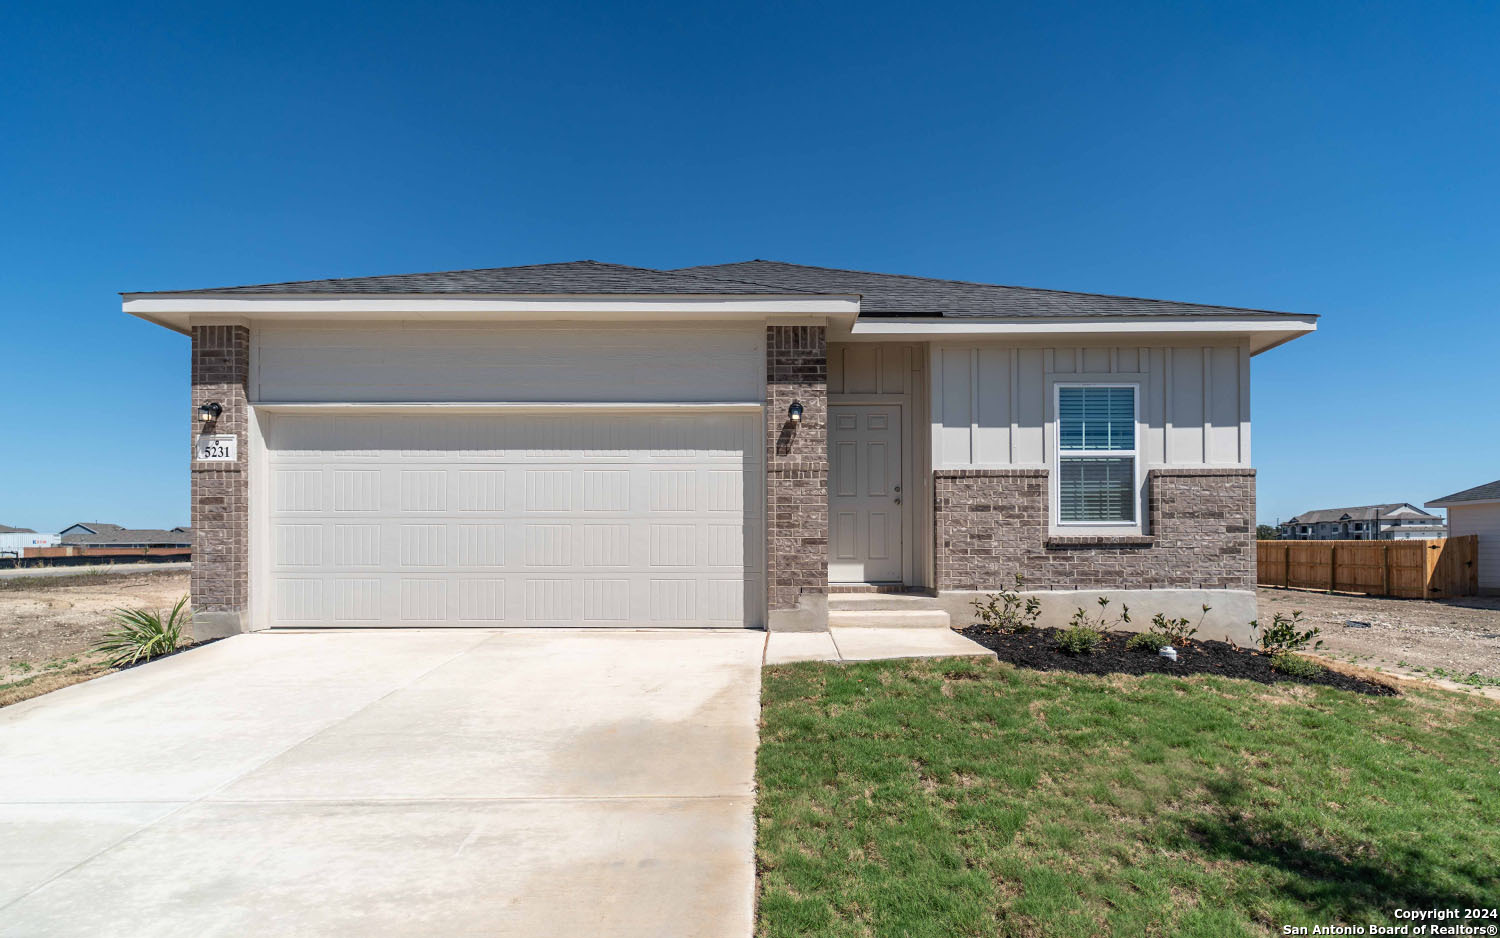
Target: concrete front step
pixel 888 618
pixel 868 602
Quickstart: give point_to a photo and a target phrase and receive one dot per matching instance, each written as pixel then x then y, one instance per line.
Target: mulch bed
pixel 1038 650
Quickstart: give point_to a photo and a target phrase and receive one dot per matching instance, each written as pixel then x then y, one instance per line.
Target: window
pixel 1096 459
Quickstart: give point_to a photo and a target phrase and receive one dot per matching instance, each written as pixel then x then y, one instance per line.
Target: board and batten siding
pixel 460 362
pixel 991 403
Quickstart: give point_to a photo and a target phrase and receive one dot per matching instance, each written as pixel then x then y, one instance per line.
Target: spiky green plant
pixel 144 634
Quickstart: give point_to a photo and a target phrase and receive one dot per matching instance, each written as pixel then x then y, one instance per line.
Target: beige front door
pixel 864 493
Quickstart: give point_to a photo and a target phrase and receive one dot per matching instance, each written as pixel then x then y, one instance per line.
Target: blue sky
pixel 1338 159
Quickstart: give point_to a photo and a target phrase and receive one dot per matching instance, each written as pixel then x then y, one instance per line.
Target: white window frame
pixel 1055 469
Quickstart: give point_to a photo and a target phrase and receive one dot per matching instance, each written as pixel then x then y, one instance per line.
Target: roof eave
pixel 1265 332
pixel 178 311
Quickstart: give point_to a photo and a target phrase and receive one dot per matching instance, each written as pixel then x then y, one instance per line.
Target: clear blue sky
pixel 1338 159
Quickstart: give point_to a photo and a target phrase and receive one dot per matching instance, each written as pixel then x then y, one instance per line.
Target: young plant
pixel 1152 641
pixel 1179 631
pixel 1295 665
pixel 1101 620
pixel 144 634
pixel 1079 639
pixel 1006 611
pixel 1283 633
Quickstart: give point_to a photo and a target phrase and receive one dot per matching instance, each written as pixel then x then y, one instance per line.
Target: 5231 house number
pixel 219 448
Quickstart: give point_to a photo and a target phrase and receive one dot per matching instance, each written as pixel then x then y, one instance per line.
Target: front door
pixel 864 493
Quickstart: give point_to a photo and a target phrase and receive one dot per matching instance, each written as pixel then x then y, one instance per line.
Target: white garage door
pixel 556 519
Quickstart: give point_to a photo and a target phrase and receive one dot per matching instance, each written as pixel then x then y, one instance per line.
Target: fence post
pixel 1333 566
pixel 1385 569
pixel 1286 566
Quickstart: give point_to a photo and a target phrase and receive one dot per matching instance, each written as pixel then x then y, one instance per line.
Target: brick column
pixel 797 478
pixel 220 490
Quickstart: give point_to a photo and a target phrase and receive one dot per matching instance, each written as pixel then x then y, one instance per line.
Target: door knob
pixel 898 499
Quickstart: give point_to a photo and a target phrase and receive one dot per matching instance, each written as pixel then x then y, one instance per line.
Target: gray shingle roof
pixel 583 277
pixel 7 529
pixel 904 295
pixel 1360 513
pixel 114 534
pixel 881 294
pixel 1490 491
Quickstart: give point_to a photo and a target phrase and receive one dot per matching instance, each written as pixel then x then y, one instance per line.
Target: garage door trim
pixel 259 464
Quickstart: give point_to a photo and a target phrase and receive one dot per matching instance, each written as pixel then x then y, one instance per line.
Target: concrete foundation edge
pixel 809 615
pixel 1228 618
pixel 208 625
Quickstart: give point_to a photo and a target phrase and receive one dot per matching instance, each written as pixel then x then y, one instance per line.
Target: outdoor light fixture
pixel 210 411
pixel 795 411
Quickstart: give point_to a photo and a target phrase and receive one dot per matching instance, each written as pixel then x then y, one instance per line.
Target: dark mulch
pixel 1038 649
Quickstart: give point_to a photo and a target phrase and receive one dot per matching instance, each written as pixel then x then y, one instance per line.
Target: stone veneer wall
pixel 796 467
pixel 220 491
pixel 993 523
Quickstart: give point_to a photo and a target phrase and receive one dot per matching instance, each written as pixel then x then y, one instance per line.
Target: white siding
pixel 992 402
pixel 1483 520
pixel 475 362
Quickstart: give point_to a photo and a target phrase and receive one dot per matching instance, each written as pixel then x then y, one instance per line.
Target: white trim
pixel 1264 333
pixel 179 310
pixel 1055 467
pixel 474 407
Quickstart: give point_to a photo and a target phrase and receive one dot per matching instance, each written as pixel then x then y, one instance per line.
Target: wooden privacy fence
pixel 1427 569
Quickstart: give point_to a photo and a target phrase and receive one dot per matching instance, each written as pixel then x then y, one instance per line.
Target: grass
pixel 966 797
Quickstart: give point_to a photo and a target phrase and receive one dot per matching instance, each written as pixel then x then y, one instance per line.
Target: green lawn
pixel 966 797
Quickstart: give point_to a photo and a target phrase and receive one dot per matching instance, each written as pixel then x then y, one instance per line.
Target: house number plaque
pixel 217 448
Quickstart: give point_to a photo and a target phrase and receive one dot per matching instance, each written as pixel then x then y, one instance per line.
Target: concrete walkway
pixel 447 783
pixel 868 644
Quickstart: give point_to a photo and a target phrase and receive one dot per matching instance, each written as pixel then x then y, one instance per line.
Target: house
pixel 1397 521
pixel 97 534
pixel 1477 511
pixel 588 444
pixel 14 541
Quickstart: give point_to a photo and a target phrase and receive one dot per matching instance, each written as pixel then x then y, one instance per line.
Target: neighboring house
pixel 14 541
pixel 586 444
pixel 97 534
pixel 1397 521
pixel 1477 511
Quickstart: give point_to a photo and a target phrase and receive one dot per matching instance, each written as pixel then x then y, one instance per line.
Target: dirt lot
pixel 1458 636
pixel 47 625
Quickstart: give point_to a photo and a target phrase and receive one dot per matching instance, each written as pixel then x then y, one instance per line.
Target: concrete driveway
pixel 390 783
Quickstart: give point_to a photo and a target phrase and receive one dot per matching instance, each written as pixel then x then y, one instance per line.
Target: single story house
pixel 100 534
pixel 1477 511
pixel 588 444
pixel 1395 521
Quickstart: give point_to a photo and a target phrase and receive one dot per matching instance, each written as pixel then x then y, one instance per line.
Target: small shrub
pixel 1079 639
pixel 1283 633
pixel 1006 611
pixel 1101 621
pixel 1178 631
pixel 1152 641
pixel 143 634
pixel 1295 665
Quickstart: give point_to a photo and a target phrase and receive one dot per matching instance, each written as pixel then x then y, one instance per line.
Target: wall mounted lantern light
pixel 210 411
pixel 795 411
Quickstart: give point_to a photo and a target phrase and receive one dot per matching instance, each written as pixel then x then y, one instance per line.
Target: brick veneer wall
pixel 796 464
pixel 993 523
pixel 220 491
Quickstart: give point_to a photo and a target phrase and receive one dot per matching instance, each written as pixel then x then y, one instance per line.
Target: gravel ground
pixel 1459 636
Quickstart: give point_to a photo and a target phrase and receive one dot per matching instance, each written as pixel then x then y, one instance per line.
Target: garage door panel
pixel 563 521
